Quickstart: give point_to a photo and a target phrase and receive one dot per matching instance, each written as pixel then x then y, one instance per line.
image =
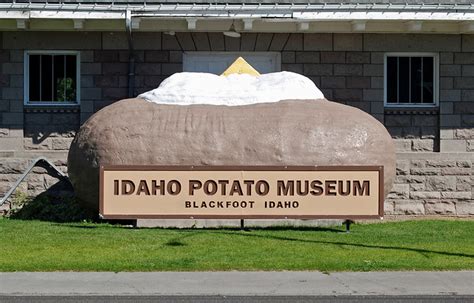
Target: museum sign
pixel 241 192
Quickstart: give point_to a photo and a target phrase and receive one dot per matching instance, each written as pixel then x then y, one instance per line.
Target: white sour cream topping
pixel 236 89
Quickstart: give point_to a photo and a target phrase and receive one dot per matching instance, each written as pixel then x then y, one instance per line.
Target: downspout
pixel 131 56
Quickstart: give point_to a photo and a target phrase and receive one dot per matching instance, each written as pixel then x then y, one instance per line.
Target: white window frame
pixel 26 73
pixel 276 55
pixel 435 57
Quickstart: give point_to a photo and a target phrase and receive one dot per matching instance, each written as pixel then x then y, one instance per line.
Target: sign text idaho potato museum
pixel 241 192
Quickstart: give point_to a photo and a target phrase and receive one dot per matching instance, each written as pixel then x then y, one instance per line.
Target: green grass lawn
pixel 409 245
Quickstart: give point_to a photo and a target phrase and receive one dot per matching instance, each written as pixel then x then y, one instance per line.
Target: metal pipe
pixel 35 162
pixel 131 55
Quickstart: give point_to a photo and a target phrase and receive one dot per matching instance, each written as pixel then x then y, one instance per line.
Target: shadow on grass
pixel 77 226
pixel 175 243
pixel 418 250
pixel 178 241
pixel 234 229
pixel 256 228
pixel 186 233
pixel 122 224
pixel 297 228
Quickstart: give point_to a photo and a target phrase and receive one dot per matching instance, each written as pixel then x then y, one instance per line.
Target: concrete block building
pixel 408 63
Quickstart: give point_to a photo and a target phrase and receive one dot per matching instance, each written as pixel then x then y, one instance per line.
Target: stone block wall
pixel 49 129
pixel 432 184
pixel 457 97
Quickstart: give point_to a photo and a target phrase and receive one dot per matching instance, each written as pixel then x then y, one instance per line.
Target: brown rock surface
pixel 302 132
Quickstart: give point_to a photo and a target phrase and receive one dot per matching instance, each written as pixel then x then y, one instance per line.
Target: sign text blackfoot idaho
pixel 241 192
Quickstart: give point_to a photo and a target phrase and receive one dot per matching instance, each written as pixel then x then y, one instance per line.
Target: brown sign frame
pixel 103 168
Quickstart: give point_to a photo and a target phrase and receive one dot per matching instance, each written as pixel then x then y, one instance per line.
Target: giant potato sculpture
pixel 288 132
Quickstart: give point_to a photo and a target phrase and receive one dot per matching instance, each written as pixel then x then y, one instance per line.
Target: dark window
pixel 52 78
pixel 410 80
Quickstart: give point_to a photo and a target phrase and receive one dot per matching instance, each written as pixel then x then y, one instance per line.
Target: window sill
pixel 424 110
pixel 51 108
